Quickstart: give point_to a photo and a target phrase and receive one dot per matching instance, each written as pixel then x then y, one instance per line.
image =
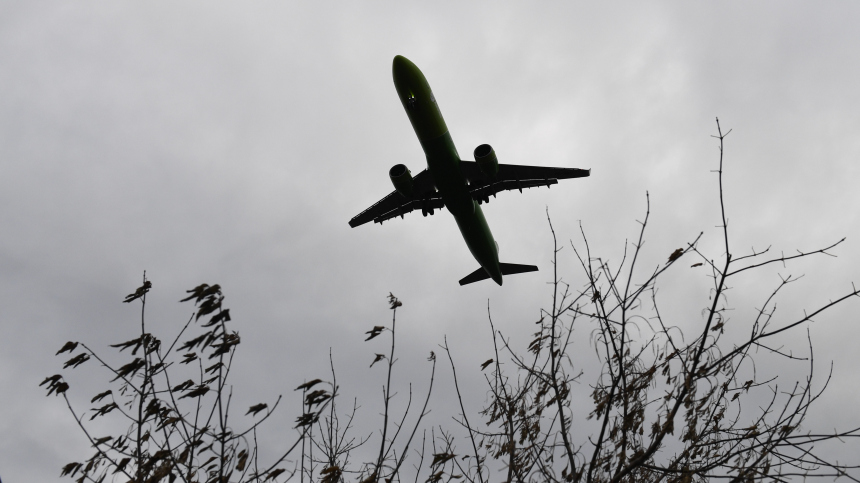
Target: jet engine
pixel 401 178
pixel 487 161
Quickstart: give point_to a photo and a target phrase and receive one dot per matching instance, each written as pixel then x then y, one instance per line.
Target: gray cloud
pixel 219 143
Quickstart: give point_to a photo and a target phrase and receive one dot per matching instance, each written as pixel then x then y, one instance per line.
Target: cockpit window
pixel 411 103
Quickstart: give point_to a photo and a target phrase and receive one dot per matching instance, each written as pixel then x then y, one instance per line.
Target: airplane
pixel 450 182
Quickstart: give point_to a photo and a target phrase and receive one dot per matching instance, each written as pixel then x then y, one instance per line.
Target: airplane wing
pixel 425 198
pixel 512 176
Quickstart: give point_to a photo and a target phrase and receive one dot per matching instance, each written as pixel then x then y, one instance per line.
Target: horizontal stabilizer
pixel 507 269
pixel 476 276
pixel 513 268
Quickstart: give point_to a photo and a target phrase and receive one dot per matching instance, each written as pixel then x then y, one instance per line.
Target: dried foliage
pixel 175 431
pixel 179 431
pixel 665 406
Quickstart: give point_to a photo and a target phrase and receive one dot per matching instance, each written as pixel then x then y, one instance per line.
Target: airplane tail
pixel 507 269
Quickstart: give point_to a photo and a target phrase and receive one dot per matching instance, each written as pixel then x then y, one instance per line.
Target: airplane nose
pixel 400 60
pixel 400 66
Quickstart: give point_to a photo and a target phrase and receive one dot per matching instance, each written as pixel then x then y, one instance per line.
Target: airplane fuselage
pixel 443 163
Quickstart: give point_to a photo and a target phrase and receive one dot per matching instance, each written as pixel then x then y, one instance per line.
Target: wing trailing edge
pixel 514 177
pixel 426 205
pixel 425 198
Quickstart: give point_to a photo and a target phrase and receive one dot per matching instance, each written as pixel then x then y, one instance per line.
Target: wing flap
pixel 514 177
pixel 483 193
pixel 423 189
pixel 391 202
pixel 509 172
pixel 425 205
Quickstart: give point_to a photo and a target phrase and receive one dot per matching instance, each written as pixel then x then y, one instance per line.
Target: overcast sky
pixel 230 143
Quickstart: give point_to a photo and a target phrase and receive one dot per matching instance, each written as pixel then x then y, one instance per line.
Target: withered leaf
pixel 183 457
pixel 202 291
pixel 256 409
pixel 77 360
pixel 119 443
pixel 140 292
pixel 168 422
pixel 195 291
pixel 191 344
pixel 125 345
pixel 306 419
pixel 55 384
pixel 51 379
pixel 393 301
pixel 243 458
pixel 435 477
pixel 153 407
pixel 370 479
pixel 208 306
pixel 69 346
pixel 205 448
pixel 227 343
pixel 275 474
pixel 184 386
pixel 374 332
pixel 441 458
pixel 129 369
pixel 676 254
pixel 223 315
pixel 309 384
pixel 101 396
pixel 316 397
pixel 378 358
pixel 486 363
pixel 104 440
pixel 197 392
pixel 122 464
pixel 332 474
pixel 696 265
pixel 103 410
pixel 70 469
pixel 60 388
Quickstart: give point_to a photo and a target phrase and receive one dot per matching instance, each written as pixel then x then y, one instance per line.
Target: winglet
pixel 507 269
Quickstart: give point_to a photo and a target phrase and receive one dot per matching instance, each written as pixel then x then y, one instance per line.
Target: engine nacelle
pixel 401 178
pixel 487 161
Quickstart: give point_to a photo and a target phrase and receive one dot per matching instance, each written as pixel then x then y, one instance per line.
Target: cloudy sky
pixel 230 143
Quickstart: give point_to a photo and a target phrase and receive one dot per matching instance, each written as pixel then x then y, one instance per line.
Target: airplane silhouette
pixel 459 185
